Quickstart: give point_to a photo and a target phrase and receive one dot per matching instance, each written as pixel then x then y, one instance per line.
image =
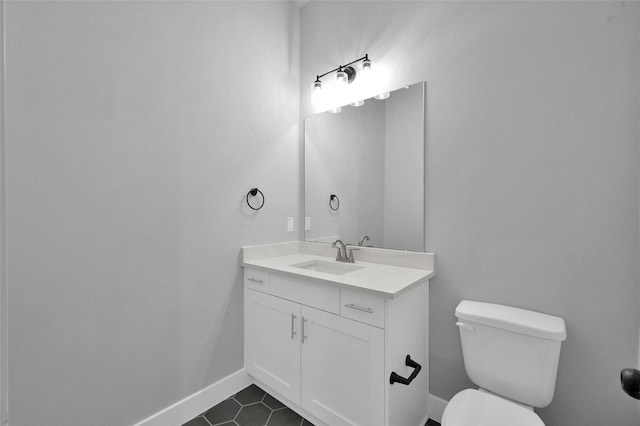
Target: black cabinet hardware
pixel 406 381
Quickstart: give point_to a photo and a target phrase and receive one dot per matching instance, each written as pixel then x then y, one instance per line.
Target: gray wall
pixel 3 231
pixel 134 131
pixel 532 169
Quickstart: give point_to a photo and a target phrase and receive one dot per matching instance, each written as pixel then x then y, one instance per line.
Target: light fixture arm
pixel 341 67
pixel 364 58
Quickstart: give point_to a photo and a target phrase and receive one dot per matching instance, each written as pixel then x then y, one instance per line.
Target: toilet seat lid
pixel 472 407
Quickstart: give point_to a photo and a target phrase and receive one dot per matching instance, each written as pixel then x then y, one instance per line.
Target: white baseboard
pixel 189 407
pixel 424 421
pixel 436 407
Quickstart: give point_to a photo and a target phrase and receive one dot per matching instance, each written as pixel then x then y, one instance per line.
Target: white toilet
pixel 512 355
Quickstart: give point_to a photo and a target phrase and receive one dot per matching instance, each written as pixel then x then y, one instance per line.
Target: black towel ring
pixel 253 192
pixel 331 203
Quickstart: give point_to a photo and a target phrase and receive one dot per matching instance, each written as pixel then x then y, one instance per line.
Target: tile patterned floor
pixel 250 407
pixel 253 407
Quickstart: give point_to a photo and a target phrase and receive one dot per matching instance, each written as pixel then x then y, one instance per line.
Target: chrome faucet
pixel 342 252
pixel 363 239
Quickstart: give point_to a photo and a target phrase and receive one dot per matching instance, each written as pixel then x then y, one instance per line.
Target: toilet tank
pixel 510 351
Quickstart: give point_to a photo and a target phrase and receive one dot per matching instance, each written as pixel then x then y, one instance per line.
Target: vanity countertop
pixel 386 273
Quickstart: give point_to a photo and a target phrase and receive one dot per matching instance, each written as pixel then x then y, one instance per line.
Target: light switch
pixel 289 224
pixel 307 223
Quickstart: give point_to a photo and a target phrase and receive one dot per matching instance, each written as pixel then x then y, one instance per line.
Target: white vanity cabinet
pixel 329 351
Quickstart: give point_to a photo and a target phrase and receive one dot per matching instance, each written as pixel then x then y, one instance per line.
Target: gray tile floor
pixel 253 407
pixel 250 407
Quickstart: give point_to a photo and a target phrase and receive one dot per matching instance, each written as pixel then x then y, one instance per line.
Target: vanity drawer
pixel 306 292
pixel 256 279
pixel 363 307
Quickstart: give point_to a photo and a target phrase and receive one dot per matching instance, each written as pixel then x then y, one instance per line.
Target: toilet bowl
pixel 512 354
pixel 478 408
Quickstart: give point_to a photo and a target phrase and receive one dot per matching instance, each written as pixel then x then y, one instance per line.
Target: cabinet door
pixel 273 343
pixel 342 369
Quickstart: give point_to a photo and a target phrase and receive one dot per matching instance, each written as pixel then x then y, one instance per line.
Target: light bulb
pixel 341 78
pixel 366 65
pixel 335 110
pixel 384 95
pixel 316 92
pixel 358 103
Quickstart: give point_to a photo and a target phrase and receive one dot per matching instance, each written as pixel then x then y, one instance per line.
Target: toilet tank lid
pixel 513 319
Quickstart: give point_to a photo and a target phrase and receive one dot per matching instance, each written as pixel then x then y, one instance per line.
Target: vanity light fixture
pixel 345 74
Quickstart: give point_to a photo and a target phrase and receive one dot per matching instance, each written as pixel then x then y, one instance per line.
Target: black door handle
pixel 630 378
pixel 405 381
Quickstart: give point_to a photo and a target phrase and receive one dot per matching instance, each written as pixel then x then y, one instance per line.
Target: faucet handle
pixel 339 244
pixel 350 258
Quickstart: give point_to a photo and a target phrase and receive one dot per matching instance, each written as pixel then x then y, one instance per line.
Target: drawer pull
pixel 404 380
pixel 255 280
pixel 359 308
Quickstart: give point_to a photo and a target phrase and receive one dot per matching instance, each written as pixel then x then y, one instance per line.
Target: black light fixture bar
pixel 340 67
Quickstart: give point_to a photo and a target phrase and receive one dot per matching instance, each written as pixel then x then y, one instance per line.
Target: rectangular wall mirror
pixel 364 172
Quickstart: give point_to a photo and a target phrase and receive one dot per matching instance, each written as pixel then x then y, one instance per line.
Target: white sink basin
pixel 327 267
